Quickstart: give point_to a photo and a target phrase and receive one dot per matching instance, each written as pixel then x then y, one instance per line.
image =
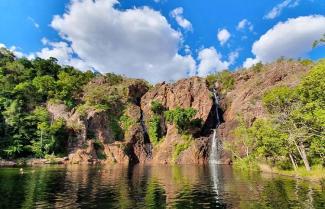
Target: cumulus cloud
pixel 177 14
pixel 223 36
pixel 249 62
pixel 137 42
pixel 210 62
pixel 16 51
pixel 276 11
pixel 232 57
pixel 63 53
pixel 291 39
pixel 243 24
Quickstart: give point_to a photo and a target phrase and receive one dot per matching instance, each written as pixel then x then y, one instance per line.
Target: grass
pixel 317 173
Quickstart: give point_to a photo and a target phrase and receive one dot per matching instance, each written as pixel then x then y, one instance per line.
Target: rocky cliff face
pixel 192 92
pixel 92 138
pixel 245 99
pixel 86 130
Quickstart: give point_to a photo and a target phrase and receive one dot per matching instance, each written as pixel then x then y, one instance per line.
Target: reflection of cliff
pixel 152 187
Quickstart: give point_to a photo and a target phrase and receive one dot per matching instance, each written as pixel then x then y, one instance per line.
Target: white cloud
pixel 177 14
pixel 210 62
pixel 223 36
pixel 63 53
pixel 244 23
pixel 276 11
pixel 35 24
pixel 15 50
pixel 291 39
pixel 249 62
pixel 136 42
pixel 232 57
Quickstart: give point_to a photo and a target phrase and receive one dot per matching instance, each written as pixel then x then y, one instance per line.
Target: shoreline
pixel 293 174
pixel 65 161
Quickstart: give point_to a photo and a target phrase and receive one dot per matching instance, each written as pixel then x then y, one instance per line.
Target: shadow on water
pixel 116 186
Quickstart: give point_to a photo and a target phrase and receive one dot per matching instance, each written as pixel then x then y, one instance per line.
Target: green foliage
pixel 25 87
pixel 224 78
pixel 270 142
pixel 246 164
pixel 181 117
pixel 319 42
pixel 278 98
pixel 154 129
pixel 119 125
pixel 115 127
pixel 99 148
pixel 126 122
pixel 113 79
pixel 306 62
pixel 294 133
pixel 157 107
pixel 258 67
pixel 182 146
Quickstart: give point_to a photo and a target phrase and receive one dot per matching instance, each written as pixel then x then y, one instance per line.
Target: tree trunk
pixel 302 153
pixel 304 157
pixel 293 162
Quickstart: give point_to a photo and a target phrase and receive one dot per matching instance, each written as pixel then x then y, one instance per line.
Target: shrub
pixel 278 98
pixel 258 67
pixel 154 129
pixel 306 62
pixel 113 79
pixel 126 122
pixel 157 107
pixel 180 147
pixel 225 78
pixel 181 117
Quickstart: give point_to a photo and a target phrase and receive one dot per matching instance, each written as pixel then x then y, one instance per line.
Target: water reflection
pixel 115 186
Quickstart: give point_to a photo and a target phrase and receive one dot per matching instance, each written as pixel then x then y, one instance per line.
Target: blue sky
pixel 162 40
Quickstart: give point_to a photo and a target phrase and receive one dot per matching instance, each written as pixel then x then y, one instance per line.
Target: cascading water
pixel 148 145
pixel 214 153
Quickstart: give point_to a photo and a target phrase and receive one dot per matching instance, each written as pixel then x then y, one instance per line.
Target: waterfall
pixel 148 145
pixel 214 153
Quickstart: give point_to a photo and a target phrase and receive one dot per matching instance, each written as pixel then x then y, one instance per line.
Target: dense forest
pixel 26 128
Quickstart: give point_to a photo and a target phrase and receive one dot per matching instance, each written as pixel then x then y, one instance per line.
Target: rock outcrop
pixel 91 137
pixel 245 99
pixel 192 92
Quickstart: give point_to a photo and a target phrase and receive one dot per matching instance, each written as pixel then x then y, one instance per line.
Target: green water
pixel 152 187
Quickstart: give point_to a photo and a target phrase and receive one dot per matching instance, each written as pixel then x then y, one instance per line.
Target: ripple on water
pixel 152 187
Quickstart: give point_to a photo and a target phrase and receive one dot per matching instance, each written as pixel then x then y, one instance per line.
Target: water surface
pixel 152 187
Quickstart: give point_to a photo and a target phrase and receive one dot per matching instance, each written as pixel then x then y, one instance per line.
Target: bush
pixel 181 117
pixel 306 62
pixel 154 129
pixel 157 107
pixel 224 78
pixel 126 122
pixel 180 147
pixel 258 67
pixel 278 98
pixel 246 164
pixel 113 79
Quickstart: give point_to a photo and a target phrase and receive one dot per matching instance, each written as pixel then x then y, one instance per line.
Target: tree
pixel 320 41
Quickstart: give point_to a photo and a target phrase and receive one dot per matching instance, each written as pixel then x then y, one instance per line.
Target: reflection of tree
pixel 152 187
pixel 155 195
